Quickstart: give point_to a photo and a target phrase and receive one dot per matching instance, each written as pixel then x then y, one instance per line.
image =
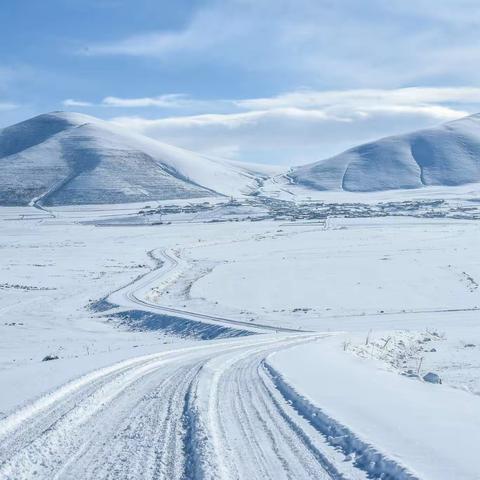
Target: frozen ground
pixel 432 430
pixel 384 269
pixel 377 296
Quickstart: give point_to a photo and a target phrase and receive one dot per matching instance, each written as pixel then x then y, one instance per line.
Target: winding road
pixel 209 411
pixel 135 295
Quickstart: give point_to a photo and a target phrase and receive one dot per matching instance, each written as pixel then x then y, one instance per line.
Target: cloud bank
pixel 301 126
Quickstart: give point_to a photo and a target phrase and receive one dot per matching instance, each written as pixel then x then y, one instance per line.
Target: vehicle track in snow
pixel 199 412
pixel 210 411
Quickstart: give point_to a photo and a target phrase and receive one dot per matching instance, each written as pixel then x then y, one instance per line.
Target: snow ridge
pixel 366 457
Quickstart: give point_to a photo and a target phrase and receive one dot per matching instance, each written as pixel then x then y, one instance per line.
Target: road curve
pixel 134 295
pixel 206 412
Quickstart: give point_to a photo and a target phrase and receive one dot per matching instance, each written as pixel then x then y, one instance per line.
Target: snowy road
pixel 210 411
pixel 136 295
pixel 200 412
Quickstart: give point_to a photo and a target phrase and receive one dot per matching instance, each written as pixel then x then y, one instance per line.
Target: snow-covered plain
pixel 376 268
pixel 188 401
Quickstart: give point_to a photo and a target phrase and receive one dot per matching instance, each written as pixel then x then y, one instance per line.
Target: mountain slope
pixel 445 155
pixel 66 158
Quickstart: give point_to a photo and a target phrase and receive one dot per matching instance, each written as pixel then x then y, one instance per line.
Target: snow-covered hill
pixel 67 158
pixel 445 155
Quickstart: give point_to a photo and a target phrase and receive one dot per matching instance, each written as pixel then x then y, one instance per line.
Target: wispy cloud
pixel 307 125
pixel 206 29
pixel 339 104
pixel 365 98
pixel 166 101
pixel 7 106
pixel 344 43
pixel 333 105
pixel 70 102
pixel 294 127
pixel 149 44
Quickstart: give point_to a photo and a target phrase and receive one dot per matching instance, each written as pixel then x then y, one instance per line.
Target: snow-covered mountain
pixel 445 155
pixel 68 158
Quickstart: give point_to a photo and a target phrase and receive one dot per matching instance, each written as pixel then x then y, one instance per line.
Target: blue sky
pixel 275 81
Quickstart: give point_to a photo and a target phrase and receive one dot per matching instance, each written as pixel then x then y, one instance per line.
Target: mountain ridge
pixel 448 155
pixel 62 158
pixel 65 158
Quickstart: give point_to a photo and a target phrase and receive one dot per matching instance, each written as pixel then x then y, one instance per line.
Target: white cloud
pixel 169 100
pixel 149 44
pixel 7 106
pixel 294 127
pixel 365 98
pixel 353 57
pixel 227 120
pixel 304 126
pixel 177 101
pixel 70 102
pixel 210 27
pixel 340 104
pixel 436 112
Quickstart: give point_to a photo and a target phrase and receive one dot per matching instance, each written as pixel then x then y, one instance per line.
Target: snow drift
pixel 445 155
pixel 67 158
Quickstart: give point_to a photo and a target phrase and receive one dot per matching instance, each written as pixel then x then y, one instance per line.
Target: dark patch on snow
pixel 101 305
pixel 48 358
pixel 29 133
pixel 139 320
pixel 431 377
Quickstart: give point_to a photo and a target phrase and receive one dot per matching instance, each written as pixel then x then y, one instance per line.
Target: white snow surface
pixel 434 430
pixel 136 393
pixel 391 269
pixel 445 155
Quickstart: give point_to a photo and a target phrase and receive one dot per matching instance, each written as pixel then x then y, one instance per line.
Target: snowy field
pixel 371 305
